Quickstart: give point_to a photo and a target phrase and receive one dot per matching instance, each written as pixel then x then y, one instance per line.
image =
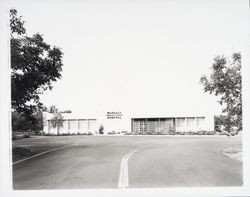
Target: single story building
pixel 70 124
pixel 116 121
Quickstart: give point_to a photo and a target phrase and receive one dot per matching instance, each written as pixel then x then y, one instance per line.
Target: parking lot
pixel 79 162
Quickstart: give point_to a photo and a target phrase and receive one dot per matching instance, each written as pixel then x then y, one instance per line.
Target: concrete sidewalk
pixel 234 152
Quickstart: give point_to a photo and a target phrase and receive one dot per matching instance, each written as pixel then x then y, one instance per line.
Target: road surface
pixel 80 162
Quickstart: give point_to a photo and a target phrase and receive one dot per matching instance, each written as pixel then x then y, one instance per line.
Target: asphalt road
pixel 78 162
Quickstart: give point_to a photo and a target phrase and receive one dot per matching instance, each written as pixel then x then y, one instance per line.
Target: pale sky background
pixel 136 55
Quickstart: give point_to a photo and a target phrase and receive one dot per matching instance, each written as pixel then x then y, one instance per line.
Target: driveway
pixel 78 162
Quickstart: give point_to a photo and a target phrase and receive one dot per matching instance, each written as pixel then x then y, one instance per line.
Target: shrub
pixel 101 129
pixel 179 133
pixel 125 132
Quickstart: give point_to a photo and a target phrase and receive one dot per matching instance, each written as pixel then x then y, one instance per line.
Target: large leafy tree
pixel 225 81
pixel 34 66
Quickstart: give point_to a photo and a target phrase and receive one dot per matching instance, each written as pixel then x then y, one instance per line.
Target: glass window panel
pixel 73 125
pixel 180 122
pixel 200 121
pixel 190 122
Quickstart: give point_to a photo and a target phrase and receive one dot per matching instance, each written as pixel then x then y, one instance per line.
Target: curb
pixel 233 152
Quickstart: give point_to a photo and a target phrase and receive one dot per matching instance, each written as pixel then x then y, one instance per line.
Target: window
pixel 200 121
pixel 72 125
pixel 83 127
pixel 180 122
pixel 190 122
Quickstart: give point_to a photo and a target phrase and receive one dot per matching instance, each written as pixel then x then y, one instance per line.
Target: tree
pixel 52 109
pixel 57 121
pixel 225 81
pixel 222 123
pixel 34 66
pixel 22 124
pixel 16 23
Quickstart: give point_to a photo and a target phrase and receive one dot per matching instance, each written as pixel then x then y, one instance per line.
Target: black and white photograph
pixel 123 97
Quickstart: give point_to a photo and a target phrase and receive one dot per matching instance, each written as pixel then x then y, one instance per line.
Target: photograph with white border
pixel 125 97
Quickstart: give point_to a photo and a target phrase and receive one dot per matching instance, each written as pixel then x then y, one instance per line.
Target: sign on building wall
pixel 114 115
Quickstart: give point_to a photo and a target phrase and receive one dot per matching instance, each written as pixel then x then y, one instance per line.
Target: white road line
pixel 42 153
pixel 123 181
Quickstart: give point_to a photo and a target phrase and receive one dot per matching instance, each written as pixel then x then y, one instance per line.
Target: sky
pixel 140 56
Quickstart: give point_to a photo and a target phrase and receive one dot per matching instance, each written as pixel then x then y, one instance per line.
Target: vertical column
pixel 143 125
pixel 175 124
pixel 174 128
pixel 195 124
pixel 185 123
pixel 146 125
pixel 68 125
pixel 132 128
pixel 159 125
pixel 88 125
pixel 77 123
pixel 48 126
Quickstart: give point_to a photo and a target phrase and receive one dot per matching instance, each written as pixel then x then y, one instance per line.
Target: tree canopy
pixel 225 81
pixel 34 66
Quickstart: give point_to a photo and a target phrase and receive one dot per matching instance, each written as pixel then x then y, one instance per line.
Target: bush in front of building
pixel 125 133
pixel 101 129
pixel 191 133
pixel 68 134
pixel 114 133
pixel 173 132
pixel 200 132
pixel 179 133
pixel 111 133
pixel 86 133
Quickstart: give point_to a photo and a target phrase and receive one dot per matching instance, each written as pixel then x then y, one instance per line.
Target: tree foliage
pixel 34 66
pixel 22 124
pixel 225 81
pixel 222 123
pixel 16 23
pixel 57 121
pixel 52 109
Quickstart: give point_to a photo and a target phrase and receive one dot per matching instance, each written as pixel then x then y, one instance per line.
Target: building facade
pixel 70 124
pixel 116 121
pixel 169 125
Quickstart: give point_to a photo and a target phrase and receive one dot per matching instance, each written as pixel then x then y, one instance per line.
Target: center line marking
pixel 123 181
